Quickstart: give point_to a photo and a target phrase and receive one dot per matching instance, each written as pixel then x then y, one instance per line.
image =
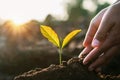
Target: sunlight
pixel 31 9
pixel 37 9
pixel 19 21
pixel 16 28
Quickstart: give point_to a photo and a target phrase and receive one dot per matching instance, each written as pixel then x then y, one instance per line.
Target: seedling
pixel 52 36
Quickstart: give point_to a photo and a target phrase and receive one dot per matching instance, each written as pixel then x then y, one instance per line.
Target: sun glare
pixel 19 21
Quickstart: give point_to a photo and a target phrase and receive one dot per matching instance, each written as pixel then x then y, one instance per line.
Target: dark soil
pixel 71 70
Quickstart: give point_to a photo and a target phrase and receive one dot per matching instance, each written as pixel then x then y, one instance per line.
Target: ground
pixel 71 70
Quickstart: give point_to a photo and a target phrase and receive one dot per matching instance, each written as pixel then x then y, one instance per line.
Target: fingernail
pixel 90 68
pixel 95 43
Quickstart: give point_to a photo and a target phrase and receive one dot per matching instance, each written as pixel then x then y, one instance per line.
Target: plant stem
pixel 60 56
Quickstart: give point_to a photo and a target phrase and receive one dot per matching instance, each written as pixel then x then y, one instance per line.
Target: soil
pixel 70 70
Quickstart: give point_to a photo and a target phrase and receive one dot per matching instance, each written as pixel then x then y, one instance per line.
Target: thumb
pixel 102 32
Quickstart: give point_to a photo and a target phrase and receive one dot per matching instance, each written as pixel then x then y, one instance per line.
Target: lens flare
pixel 19 21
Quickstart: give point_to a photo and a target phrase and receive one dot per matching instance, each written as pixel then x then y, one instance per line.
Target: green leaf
pixel 69 37
pixel 50 34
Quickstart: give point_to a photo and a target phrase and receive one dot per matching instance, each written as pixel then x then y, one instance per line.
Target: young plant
pixel 52 36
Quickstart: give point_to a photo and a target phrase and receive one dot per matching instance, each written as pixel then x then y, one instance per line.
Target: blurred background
pixel 22 47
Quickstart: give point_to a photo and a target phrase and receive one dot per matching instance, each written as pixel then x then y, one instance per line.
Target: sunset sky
pixel 24 10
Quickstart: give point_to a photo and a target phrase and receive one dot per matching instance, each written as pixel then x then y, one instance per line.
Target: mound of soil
pixel 71 70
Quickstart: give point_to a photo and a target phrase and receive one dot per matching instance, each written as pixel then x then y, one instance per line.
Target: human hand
pixel 94 24
pixel 106 39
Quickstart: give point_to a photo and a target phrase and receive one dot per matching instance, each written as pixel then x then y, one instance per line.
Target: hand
pixel 106 38
pixel 94 24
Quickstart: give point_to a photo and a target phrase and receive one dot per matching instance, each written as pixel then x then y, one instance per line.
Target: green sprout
pixel 51 35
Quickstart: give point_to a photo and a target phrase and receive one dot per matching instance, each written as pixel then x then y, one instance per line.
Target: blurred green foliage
pixel 78 10
pixel 78 15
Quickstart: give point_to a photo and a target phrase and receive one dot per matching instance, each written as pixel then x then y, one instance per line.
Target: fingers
pixel 94 24
pixel 103 59
pixel 110 47
pixel 85 52
pixel 102 31
pixel 90 34
pixel 97 51
pixel 90 56
pixel 104 38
